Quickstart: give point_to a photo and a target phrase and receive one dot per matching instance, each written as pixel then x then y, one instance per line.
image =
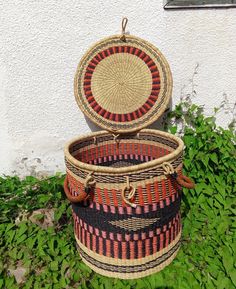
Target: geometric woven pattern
pixel 123 86
pixel 113 237
pixel 134 223
pixel 125 183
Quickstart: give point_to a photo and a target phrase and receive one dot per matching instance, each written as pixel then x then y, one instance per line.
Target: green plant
pixel 206 259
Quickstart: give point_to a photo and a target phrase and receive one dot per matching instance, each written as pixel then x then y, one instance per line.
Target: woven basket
pixel 125 183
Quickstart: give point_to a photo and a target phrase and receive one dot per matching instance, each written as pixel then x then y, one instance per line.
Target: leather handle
pixel 181 179
pixel 74 199
pixel 185 182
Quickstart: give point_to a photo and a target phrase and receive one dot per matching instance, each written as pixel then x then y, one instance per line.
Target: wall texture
pixel 41 43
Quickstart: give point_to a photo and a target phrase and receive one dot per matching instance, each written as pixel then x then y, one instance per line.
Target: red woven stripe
pixel 142 246
pixel 93 104
pixel 161 241
pixel 140 196
pixel 116 253
pixel 97 108
pixel 90 99
pixel 108 248
pixel 88 92
pixel 98 195
pixel 102 54
pixel 140 255
pixel 131 50
pixel 150 102
pixel 129 117
pixel 142 55
pixel 123 118
pixel 171 234
pixel 154 245
pixel 146 59
pixel 91 65
pixel 95 61
pixel 135 116
pixel 136 51
pixel 149 193
pixel 156 86
pixel 170 187
pixel 167 238
pixel 108 52
pixel 156 74
pixel 112 116
pixel 139 112
pixel 101 111
pixel 124 253
pixel 100 246
pixel 143 110
pixel 131 245
pixel 153 67
pixel 106 196
pixel 153 97
pixel 156 192
pixel 114 193
pixel 94 243
pixel 87 75
pixel 147 247
pixel 163 184
pixel 150 63
pixel 87 83
pixel 147 106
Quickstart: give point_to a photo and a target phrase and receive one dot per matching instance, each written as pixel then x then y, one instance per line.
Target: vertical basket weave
pixel 125 183
pixel 118 236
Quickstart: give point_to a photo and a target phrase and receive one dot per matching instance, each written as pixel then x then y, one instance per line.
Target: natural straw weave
pixel 118 236
pixel 123 86
pixel 125 183
pixel 100 135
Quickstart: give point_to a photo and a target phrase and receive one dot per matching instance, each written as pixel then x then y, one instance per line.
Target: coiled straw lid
pixel 123 83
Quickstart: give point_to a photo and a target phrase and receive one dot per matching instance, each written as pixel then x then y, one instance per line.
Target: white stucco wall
pixel 41 43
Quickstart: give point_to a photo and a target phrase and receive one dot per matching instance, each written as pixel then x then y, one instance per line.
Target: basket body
pixel 120 235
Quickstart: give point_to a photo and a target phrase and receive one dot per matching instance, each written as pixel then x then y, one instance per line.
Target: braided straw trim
pixel 120 171
pixel 126 262
pixel 116 185
pixel 132 275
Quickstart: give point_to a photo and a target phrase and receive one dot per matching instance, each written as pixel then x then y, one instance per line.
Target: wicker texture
pixel 116 235
pixel 123 86
pixel 125 183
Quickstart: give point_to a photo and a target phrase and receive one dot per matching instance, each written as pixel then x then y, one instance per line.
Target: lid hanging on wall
pixel 123 83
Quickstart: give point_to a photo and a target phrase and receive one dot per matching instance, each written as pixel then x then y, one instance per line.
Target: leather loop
pixel 74 199
pixel 185 182
pixel 181 179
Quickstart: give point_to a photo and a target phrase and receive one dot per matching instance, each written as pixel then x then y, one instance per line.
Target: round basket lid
pixel 123 84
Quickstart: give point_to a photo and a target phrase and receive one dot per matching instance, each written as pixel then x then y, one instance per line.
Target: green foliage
pixel 206 259
pixel 17 196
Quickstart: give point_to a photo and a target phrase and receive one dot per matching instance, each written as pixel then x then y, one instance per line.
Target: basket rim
pixel 134 168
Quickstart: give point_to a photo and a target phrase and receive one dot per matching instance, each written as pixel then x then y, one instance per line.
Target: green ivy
pixel 207 258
